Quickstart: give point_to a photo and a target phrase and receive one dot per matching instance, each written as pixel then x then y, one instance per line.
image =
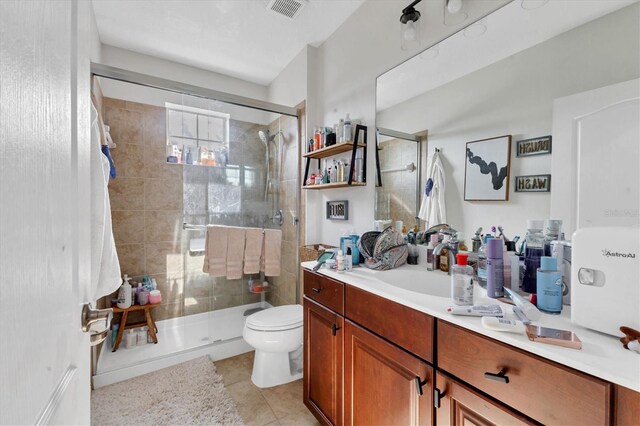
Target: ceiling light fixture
pixel 533 4
pixel 409 29
pixel 476 30
pixel 454 12
pixel 454 6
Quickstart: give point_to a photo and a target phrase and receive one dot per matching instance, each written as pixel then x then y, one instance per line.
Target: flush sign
pixel 338 210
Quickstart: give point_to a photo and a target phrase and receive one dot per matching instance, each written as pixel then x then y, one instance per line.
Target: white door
pixel 44 213
pixel 596 152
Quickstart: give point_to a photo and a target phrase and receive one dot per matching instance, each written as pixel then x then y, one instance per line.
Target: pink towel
pixel 272 252
pixel 235 252
pixel 253 250
pixel 215 251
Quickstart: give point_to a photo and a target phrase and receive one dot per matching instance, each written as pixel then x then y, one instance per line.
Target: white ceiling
pixel 239 38
pixel 510 30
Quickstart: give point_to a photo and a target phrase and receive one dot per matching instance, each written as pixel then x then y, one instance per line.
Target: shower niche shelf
pixel 339 149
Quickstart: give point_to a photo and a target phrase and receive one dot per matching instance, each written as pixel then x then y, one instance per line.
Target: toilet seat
pixel 280 318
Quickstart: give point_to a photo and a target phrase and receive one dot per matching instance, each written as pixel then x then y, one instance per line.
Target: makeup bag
pixel 383 250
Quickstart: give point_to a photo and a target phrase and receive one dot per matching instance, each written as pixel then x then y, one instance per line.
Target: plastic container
pixel 355 251
pixel 482 262
pixel 462 282
pixel 340 262
pixel 141 336
pixel 348 261
pixel 155 297
pixel 495 268
pixel 130 339
pixel 534 249
pixel 552 232
pixel 431 261
pixel 114 333
pixel 549 286
pixel 347 128
pixel 125 294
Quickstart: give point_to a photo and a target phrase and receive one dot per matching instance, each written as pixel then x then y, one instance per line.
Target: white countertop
pixel 601 355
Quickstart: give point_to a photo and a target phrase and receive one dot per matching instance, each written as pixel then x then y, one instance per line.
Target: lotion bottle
pixel 462 282
pixel 124 295
pixel 549 286
pixel 340 262
pixel 433 242
pixel 495 268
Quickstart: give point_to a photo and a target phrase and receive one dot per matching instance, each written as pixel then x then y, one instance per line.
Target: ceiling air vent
pixel 288 8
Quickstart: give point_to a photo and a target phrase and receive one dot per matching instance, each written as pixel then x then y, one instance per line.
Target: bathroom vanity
pixel 376 353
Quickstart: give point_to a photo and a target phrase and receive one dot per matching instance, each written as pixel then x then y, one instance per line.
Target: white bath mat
pixel 188 393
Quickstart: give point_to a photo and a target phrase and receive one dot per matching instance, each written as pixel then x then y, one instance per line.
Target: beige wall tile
pixel 168 311
pixel 128 226
pixel 163 258
pixel 156 165
pixel 163 194
pixel 131 257
pixel 154 128
pixel 129 160
pixel 162 225
pixel 113 103
pixel 171 286
pixel 126 194
pixel 196 305
pixel 125 126
pixel 226 301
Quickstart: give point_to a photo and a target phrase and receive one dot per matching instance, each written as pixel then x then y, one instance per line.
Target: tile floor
pixel 279 405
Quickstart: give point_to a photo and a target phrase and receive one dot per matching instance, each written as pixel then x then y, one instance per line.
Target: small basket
pixel 312 252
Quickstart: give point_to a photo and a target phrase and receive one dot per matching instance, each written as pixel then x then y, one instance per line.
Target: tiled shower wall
pixel 146 201
pixel 283 290
pixel 149 196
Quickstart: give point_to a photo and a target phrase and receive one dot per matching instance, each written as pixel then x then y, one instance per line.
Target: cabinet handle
pixel 437 397
pixel 316 289
pixel 420 384
pixel 501 376
pixel 334 329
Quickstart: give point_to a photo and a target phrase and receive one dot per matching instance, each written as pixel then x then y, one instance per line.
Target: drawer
pixel 325 291
pixel 545 391
pixel 410 329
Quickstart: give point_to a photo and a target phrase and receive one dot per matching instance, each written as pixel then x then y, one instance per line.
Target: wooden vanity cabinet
pixel 384 385
pixel 461 405
pixel 323 306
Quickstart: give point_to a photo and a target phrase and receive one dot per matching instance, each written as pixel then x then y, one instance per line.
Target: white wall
pixel 290 86
pixel 95 45
pixel 515 96
pixel 365 46
pixel 150 65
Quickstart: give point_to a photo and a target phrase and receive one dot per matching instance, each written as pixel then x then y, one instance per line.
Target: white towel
pixel 215 251
pixel 432 208
pixel 235 252
pixel 272 252
pixel 253 250
pixel 105 266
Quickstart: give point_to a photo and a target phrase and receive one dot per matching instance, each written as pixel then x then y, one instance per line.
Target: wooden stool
pixel 153 330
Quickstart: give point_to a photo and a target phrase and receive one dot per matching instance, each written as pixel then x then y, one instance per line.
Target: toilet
pixel 276 335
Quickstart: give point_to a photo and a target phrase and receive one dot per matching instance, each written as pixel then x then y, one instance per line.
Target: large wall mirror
pixel 507 75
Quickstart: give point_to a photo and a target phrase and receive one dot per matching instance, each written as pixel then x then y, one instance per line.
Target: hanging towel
pixel 235 252
pixel 432 209
pixel 105 266
pixel 215 251
pixel 253 250
pixel 272 252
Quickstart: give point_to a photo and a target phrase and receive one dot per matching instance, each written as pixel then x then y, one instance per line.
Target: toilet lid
pixel 278 318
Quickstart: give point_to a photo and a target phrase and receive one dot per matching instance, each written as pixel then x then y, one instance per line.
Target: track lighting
pixel 409 29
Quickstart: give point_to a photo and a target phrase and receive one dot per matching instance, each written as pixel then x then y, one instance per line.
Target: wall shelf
pixel 333 150
pixel 337 149
pixel 334 185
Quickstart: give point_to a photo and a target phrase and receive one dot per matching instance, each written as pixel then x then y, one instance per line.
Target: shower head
pixel 265 137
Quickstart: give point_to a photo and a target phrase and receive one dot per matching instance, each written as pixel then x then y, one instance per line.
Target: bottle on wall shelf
pixel 340 131
pixel 495 268
pixel 534 249
pixel 359 169
pixel 347 128
pixel 549 286
pixel 462 282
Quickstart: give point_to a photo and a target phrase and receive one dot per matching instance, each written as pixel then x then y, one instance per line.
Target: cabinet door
pixel 384 385
pixel 462 405
pixel 323 343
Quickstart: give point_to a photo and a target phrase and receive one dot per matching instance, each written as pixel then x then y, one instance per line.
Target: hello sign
pixel 534 146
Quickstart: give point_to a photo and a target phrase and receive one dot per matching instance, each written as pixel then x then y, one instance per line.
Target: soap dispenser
pixel 124 295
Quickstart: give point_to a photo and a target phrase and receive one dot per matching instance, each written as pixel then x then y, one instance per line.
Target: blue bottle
pixel 549 286
pixel 355 251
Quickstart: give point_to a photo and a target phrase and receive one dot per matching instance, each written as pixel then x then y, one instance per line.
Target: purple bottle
pixel 495 268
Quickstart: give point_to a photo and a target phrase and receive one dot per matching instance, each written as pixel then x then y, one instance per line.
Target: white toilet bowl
pixel 276 335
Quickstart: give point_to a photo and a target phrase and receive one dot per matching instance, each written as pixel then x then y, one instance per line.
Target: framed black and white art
pixel 486 175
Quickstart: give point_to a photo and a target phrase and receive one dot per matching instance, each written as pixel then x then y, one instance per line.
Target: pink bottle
pixel 155 297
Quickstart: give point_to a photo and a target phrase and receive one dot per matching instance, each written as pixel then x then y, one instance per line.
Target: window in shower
pixel 197 136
